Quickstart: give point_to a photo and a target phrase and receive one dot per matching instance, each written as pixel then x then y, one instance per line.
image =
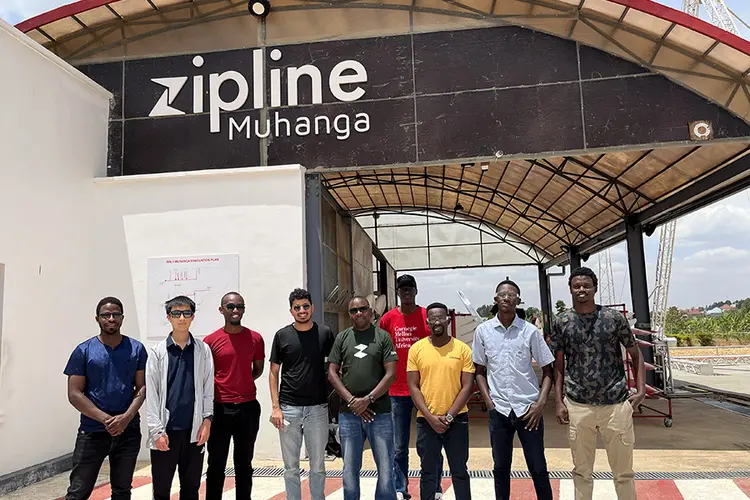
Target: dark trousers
pixel 238 421
pixel 455 442
pixel 402 408
pixel 184 456
pixel 90 451
pixel 502 430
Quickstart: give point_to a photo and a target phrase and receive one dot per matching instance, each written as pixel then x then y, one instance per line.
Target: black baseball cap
pixel 406 281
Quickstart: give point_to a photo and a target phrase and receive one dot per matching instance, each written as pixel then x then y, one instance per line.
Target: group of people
pixel 199 394
pixel 202 394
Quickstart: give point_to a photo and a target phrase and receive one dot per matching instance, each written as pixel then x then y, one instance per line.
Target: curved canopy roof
pixel 536 206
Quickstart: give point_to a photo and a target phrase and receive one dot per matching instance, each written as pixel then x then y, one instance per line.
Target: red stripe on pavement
pixel 657 490
pixel 414 487
pixel 104 491
pixel 523 489
pixel 744 485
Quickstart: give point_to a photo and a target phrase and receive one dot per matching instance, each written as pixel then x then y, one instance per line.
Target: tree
pixel 675 321
pixel 485 311
pixel 532 312
pixel 560 307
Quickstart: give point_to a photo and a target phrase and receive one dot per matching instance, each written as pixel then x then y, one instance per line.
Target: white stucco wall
pixel 53 140
pixel 257 213
pixel 67 240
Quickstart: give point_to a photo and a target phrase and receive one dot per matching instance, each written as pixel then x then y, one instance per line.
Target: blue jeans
pixel 310 422
pixel 353 432
pixel 402 408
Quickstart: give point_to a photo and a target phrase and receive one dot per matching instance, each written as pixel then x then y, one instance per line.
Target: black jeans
pixel 502 430
pixel 455 442
pixel 238 421
pixel 90 451
pixel 184 456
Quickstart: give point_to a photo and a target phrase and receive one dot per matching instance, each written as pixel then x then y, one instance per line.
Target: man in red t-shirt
pixel 406 324
pixel 238 354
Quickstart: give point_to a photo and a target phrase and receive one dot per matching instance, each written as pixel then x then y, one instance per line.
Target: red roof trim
pixel 647 6
pixel 686 20
pixel 61 13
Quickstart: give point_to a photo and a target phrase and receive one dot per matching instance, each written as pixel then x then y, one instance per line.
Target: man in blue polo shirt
pixel 107 384
pixel 179 404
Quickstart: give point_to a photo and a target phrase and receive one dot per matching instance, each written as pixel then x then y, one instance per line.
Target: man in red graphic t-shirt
pixel 238 354
pixel 406 324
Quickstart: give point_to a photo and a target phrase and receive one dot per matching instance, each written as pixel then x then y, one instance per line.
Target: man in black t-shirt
pixel 300 351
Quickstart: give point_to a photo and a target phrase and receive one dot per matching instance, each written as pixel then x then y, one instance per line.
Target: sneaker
pixel 399 495
pixel 438 496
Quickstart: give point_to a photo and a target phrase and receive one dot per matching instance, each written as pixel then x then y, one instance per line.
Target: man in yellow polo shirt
pixel 440 375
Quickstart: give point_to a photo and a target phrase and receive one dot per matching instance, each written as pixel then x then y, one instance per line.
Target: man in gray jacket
pixel 179 404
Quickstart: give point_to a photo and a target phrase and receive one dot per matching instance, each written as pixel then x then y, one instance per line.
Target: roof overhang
pixel 538 204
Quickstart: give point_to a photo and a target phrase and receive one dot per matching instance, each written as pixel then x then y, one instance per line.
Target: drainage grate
pixel 521 474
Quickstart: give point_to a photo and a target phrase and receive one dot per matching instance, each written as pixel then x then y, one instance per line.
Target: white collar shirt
pixel 507 355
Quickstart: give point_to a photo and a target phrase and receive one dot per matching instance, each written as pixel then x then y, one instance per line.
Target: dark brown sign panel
pixel 427 97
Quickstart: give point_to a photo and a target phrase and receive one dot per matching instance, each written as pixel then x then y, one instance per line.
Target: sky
pixel 712 246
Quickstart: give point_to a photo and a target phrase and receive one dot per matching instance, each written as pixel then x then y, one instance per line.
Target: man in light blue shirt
pixel 503 349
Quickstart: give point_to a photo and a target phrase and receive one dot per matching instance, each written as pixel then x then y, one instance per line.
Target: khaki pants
pixel 615 423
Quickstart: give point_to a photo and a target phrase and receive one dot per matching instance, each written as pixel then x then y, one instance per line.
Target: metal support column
pixel 575 257
pixel 545 297
pixel 314 243
pixel 638 284
pixel 639 287
pixel 383 277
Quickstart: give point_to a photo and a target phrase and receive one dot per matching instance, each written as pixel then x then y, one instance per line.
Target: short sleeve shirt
pixel 110 376
pixel 440 371
pixel 405 330
pixel 507 355
pixel 302 356
pixel 234 354
pixel 362 356
pixel 592 346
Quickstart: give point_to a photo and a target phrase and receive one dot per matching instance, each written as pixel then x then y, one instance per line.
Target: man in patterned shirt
pixel 588 359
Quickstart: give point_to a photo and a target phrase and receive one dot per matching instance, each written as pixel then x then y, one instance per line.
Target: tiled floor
pixel 521 489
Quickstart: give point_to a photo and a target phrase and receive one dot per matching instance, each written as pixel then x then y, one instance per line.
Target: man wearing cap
pixel 406 325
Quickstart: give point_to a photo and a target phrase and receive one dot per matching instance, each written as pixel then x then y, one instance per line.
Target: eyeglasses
pixel 436 321
pixel 506 295
pixel 177 314
pixel 362 309
pixel 232 307
pixel 110 315
pixel 297 307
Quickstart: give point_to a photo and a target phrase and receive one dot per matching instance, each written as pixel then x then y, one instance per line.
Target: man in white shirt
pixel 503 349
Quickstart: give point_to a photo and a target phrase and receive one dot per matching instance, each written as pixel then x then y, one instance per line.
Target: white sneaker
pixel 399 495
pixel 438 496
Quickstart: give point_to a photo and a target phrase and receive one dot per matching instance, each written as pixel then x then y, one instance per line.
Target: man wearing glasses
pixel 179 404
pixel 106 383
pixel 503 350
pixel 238 354
pixel 300 408
pixel 441 377
pixel 407 324
pixel 366 359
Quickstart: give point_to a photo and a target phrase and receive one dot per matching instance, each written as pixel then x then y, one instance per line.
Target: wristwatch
pixel 449 418
pixel 372 399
